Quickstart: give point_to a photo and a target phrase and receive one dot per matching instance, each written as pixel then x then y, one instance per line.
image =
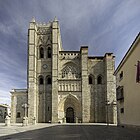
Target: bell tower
pixel 31 72
pixel 44 44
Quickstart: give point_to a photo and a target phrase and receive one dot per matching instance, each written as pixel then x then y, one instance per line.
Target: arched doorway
pixel 69 109
pixel 70 115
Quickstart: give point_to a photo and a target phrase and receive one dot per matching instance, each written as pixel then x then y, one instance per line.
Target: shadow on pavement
pixel 76 132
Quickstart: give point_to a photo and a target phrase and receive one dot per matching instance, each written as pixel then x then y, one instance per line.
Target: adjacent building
pixel 128 86
pixel 64 86
pixel 4 111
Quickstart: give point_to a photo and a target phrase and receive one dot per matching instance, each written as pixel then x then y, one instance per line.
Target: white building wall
pixel 131 97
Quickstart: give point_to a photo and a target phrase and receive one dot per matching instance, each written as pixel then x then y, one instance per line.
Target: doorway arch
pixel 70 115
pixel 69 101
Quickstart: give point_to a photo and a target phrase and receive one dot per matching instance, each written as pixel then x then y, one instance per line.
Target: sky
pixel 102 25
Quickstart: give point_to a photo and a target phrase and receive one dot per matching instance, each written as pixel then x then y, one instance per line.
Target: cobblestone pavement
pixel 68 132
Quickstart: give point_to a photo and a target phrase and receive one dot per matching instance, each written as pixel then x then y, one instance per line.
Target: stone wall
pixel 18 99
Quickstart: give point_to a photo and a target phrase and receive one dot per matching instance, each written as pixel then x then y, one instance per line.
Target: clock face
pixel 45 66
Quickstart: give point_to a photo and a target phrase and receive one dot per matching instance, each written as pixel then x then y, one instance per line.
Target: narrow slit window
pixel 18 115
pixel 90 80
pixel 49 52
pixel 49 80
pixel 41 81
pixel 41 52
pixel 99 80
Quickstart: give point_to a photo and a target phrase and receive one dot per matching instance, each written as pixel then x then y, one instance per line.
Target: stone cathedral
pixel 64 86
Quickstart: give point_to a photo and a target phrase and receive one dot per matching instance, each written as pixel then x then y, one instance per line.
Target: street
pixel 77 132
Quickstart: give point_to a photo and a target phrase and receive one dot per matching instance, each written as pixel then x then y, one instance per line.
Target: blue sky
pixel 103 25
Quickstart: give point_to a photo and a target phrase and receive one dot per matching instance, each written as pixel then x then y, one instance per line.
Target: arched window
pixel 69 72
pixel 18 114
pixel 41 81
pixel 41 52
pixel 49 52
pixel 49 80
pixel 90 80
pixel 99 80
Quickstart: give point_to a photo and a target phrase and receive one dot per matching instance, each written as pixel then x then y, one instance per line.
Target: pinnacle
pixel 33 19
pixel 55 19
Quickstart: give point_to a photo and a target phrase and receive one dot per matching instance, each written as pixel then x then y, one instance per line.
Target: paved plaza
pixel 67 132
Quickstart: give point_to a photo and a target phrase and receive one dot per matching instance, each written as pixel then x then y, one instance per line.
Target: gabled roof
pixel 128 53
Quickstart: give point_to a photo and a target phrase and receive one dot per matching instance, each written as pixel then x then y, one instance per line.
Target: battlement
pixel 69 54
pixel 65 53
pixel 44 24
pixel 96 57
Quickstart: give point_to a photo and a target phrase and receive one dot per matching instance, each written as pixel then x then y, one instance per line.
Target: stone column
pixel 13 106
pixel 32 39
pixel 55 47
pixel 85 89
pixel 110 87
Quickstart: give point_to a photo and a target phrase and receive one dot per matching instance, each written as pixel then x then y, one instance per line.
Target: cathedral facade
pixel 64 86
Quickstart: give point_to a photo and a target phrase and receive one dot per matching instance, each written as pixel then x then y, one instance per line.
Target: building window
pixel 49 80
pixel 41 52
pixel 121 75
pixel 122 110
pixel 120 93
pixel 41 81
pixel 70 72
pixel 5 114
pixel 99 80
pixel 18 115
pixel 90 80
pixel 49 52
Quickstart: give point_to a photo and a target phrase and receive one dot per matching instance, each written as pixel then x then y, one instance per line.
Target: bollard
pixel 7 121
pixel 34 121
pixel 64 120
pixel 76 119
pixel 25 121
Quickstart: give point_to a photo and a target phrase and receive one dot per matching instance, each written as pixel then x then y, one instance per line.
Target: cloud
pixel 103 25
pixel 5 100
pixel 117 29
pixel 5 97
pixel 125 12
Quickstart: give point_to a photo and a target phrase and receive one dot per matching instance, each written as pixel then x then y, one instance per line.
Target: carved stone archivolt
pixel 69 101
pixel 70 72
